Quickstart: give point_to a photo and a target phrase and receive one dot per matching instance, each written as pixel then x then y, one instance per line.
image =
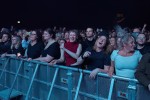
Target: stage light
pixel 18 22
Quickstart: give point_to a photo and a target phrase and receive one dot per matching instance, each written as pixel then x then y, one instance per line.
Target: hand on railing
pixel 94 73
pixel 29 59
pixel 53 62
pixel 3 55
pixel 111 71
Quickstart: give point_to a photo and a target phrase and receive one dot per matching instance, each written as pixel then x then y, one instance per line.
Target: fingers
pixel 53 62
pixel 29 59
pixel 87 54
pixel 92 75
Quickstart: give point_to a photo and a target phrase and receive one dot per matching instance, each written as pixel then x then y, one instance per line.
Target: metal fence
pixel 33 80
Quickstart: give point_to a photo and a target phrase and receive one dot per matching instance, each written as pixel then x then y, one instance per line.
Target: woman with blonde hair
pixel 125 60
pixel 16 47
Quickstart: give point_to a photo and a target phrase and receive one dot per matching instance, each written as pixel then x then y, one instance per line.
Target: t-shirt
pixel 71 46
pixel 53 50
pixel 87 44
pixel 145 49
pixel 126 66
pixel 35 50
pixel 97 59
pixel 18 50
pixel 5 47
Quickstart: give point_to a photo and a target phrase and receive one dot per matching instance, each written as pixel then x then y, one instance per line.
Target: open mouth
pixel 100 43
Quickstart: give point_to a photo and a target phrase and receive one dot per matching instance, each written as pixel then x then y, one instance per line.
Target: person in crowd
pixel 142 73
pixel 112 45
pixel 51 50
pixel 118 43
pixel 20 33
pixel 136 32
pixel 141 44
pixel 125 60
pixel 5 43
pixel 89 41
pixel 61 41
pixel 82 36
pixel 36 46
pixel 66 36
pixel 58 36
pixel 96 59
pixel 70 51
pixel 16 48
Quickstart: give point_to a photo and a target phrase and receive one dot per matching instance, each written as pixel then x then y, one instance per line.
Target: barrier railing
pixel 39 81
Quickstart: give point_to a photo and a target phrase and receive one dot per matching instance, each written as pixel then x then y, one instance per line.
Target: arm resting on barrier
pixel 97 70
pixel 48 58
pixel 9 55
pixel 60 60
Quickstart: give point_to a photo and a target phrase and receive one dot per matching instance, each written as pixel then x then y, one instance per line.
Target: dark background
pixel 73 13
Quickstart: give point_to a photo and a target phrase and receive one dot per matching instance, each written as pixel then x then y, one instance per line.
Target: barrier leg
pixel 78 86
pixel 10 93
pixel 52 85
pixel 111 88
pixel 4 68
pixel 15 79
pixel 132 91
pixel 70 85
pixel 32 79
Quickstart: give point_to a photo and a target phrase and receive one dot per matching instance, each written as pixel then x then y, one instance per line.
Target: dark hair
pixel 39 35
pixel 8 34
pixel 51 32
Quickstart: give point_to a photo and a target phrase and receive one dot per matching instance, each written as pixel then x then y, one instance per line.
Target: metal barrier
pixel 32 80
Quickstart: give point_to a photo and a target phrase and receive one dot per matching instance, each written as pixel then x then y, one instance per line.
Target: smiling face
pixel 72 36
pixel 46 36
pixel 101 42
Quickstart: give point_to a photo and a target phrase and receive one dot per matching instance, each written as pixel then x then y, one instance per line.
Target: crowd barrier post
pixel 32 79
pixel 52 85
pixel 70 84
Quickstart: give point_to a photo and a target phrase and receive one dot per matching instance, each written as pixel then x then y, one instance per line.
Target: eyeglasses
pixel 141 38
pixel 33 34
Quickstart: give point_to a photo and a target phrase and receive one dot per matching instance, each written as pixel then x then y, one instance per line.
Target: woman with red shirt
pixel 70 51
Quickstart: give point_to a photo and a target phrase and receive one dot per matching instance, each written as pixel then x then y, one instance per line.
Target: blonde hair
pixel 18 39
pixel 125 40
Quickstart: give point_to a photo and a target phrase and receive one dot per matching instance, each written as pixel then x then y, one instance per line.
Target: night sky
pixel 73 13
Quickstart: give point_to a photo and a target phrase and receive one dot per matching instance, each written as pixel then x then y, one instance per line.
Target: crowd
pixel 121 51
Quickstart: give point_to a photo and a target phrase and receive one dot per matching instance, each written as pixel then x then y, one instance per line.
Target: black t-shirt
pixel 5 47
pixel 18 50
pixel 53 50
pixel 97 60
pixel 145 49
pixel 35 50
pixel 87 44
